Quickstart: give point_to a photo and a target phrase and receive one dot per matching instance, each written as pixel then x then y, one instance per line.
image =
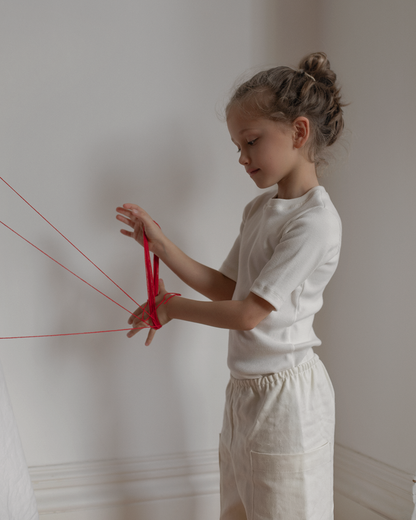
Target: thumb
pixel 162 288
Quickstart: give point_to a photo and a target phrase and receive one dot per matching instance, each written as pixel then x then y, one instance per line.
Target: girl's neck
pixel 296 185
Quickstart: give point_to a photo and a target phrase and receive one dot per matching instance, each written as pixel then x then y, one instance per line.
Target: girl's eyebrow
pixel 255 129
pixel 249 129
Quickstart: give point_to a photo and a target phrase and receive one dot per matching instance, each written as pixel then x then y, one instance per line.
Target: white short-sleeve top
pixel 286 253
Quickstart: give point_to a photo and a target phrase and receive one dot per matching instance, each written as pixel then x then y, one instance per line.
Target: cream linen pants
pixel 276 446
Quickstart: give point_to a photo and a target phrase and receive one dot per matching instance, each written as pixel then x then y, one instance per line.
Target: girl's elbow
pixel 251 319
pixel 250 322
pixel 246 327
pixel 253 311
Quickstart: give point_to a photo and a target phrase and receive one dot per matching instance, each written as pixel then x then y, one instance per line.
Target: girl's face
pixel 267 148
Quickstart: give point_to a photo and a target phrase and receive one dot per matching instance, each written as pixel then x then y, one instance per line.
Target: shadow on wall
pixel 276 23
pixel 136 393
pixel 159 176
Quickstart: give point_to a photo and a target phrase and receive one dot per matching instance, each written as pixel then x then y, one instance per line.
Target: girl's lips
pixel 252 172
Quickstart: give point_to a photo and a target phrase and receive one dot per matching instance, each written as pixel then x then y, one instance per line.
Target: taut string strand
pixel 152 278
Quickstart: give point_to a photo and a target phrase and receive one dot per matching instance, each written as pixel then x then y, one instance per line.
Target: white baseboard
pixel 67 491
pixel 114 483
pixel 204 507
pixel 378 487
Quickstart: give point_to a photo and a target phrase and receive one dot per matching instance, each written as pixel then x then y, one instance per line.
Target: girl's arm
pixel 208 282
pixel 230 314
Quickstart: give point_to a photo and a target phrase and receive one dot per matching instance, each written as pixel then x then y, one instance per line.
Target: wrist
pixel 165 306
pixel 170 303
pixel 159 248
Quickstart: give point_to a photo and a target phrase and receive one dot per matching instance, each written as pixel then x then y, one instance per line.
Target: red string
pixel 63 236
pixel 152 279
pixel 152 282
pixel 72 333
pixel 56 261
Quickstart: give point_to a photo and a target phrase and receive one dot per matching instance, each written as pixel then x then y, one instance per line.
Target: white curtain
pixel 17 501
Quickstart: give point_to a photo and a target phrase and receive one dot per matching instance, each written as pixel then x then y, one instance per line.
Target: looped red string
pixel 152 278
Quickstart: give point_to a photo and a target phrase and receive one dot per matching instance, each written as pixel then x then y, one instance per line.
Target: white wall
pixel 104 102
pixel 367 324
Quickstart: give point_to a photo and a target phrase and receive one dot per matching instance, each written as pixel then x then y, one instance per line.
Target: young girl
pixel 276 447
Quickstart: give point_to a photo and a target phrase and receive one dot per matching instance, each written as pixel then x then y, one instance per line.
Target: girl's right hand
pixel 139 220
pixel 140 319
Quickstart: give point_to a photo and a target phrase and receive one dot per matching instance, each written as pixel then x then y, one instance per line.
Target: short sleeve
pixel 308 242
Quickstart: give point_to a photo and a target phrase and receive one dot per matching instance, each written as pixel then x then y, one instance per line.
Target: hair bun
pixel 317 65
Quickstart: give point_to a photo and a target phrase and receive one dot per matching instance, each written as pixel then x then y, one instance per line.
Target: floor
pixel 346 509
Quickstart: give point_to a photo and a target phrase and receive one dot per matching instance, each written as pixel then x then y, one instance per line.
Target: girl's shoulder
pixel 258 203
pixel 317 218
pixel 312 214
pixel 316 198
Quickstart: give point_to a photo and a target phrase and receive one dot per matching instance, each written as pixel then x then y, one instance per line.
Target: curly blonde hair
pixel 284 94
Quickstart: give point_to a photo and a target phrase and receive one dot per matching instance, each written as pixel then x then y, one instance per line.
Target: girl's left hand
pixel 140 318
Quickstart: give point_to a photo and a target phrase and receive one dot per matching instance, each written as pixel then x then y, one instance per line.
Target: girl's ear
pixel 301 131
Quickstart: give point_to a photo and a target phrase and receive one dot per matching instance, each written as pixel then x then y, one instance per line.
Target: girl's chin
pixel 263 184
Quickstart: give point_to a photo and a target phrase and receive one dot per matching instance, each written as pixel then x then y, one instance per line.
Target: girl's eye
pixel 250 143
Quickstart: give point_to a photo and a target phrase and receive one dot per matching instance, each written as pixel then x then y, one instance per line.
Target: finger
pixel 135 315
pixel 123 211
pixel 131 216
pixel 125 220
pixel 161 289
pixel 128 222
pixel 137 325
pixel 126 233
pixel 161 286
pixel 133 332
pixel 150 337
pixel 140 317
pixel 137 213
pixel 131 207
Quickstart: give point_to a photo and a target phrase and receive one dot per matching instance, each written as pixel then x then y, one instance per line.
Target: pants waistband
pixel 279 377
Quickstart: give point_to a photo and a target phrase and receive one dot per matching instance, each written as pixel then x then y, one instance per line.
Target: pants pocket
pixel 293 486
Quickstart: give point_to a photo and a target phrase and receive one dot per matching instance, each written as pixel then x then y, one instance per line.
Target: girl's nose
pixel 244 159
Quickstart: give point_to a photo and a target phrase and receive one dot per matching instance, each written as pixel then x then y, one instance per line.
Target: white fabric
pixel 286 253
pixel 276 446
pixel 17 501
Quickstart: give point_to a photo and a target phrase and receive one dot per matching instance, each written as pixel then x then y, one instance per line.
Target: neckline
pixel 297 200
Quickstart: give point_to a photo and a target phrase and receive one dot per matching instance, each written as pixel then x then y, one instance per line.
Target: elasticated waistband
pixel 279 377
